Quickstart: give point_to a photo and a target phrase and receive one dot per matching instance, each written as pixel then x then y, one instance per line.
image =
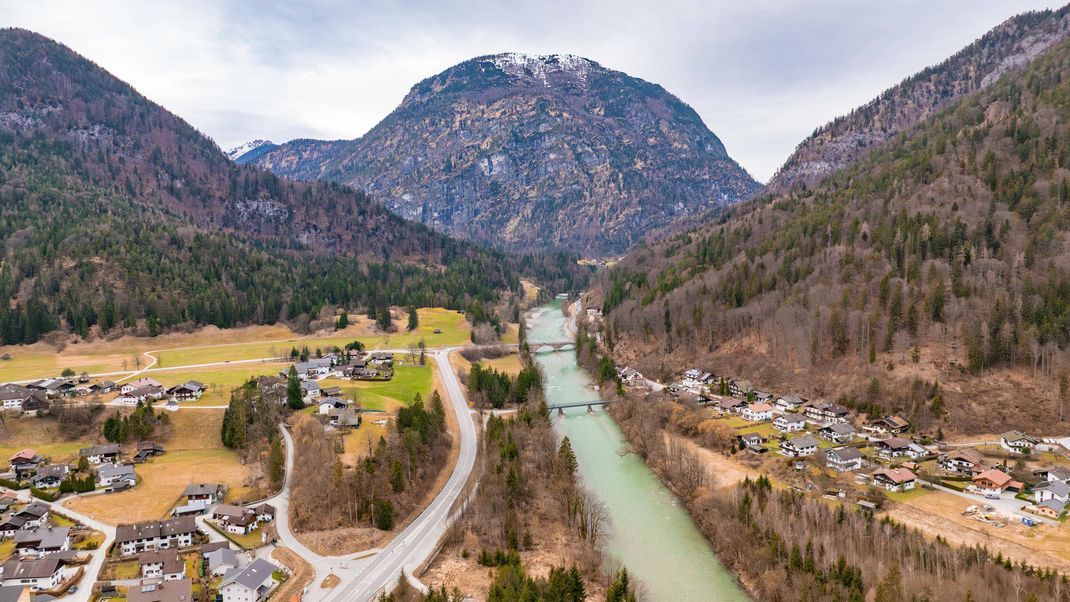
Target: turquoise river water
pixel 650 532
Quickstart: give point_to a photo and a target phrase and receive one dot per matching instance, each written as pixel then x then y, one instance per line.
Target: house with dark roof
pixel 844 459
pixel 35 515
pixel 211 492
pixel 964 460
pixel 13 396
pixel 101 454
pixel 139 383
pixel 147 449
pixel 799 447
pixel 824 412
pixel 25 462
pixel 1052 490
pixel 187 391
pixel 161 564
pixel 111 475
pixel 252 584
pixel 161 591
pixel 155 535
pixel 790 423
pixel 1018 442
pixel 38 574
pixel 43 541
pixel 49 476
pixel 838 432
pixel 894 479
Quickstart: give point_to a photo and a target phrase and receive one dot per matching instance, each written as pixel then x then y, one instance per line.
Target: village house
pixel 141 395
pixel 892 447
pixel 11 525
pixel 326 404
pixel 1050 508
pixel 25 462
pixel 824 412
pixel 381 358
pixel 310 390
pixel 1052 490
pixel 38 574
pixel 139 383
pixel 313 369
pixel 1053 473
pixel 739 388
pixel 894 479
pixel 798 447
pixel 789 403
pixel 42 541
pixel 104 386
pixel 887 425
pixel 49 476
pixel 251 584
pixel 758 412
pixel 343 419
pixel 187 391
pixel 630 377
pixel 52 387
pixel 790 423
pixel 13 396
pixel 116 476
pixel 162 564
pixel 212 493
pixel 34 516
pixel 155 535
pixel 236 519
pixel 146 450
pixel 965 460
pixel 332 391
pixel 221 561
pixel 844 459
pixel 15 593
pixel 838 432
pixel 101 454
pixel 754 442
pixel 1017 442
pixel 180 590
pixel 732 405
pixel 993 482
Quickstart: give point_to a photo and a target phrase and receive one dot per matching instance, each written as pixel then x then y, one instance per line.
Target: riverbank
pixel 648 531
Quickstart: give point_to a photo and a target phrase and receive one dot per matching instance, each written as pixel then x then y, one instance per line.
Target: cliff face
pixel 533 152
pixel 1011 45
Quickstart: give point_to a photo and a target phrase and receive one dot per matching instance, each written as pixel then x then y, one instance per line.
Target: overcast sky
pixel 762 74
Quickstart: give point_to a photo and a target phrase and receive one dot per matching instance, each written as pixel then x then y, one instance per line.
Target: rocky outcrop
pixel 1012 44
pixel 533 153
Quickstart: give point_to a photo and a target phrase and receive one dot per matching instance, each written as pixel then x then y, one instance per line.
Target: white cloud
pixel 762 74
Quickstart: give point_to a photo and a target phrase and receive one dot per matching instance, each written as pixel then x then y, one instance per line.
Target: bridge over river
pixel 590 405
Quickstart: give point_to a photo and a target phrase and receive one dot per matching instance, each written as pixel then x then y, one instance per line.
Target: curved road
pixel 366 573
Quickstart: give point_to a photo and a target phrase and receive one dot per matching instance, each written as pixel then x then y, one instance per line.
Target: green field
pixel 455 331
pixel 220 381
pixel 387 395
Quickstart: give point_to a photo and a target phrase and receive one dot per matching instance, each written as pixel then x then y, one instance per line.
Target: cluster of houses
pixel 144 390
pixel 41 550
pixel 159 546
pixel 104 461
pixel 377 365
pixel 33 398
pixel 801 426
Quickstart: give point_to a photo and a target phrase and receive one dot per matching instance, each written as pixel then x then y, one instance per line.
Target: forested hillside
pixel 941 255
pixel 116 214
pixel 835 145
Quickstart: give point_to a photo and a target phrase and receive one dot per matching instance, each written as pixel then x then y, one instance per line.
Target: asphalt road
pixel 419 541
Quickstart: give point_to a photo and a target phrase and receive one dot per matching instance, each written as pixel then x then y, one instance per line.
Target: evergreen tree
pixel 343 321
pixel 293 391
pixel 414 319
pixel 620 590
pixel 277 461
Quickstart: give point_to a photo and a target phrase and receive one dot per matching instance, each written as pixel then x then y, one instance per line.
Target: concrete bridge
pixel 552 346
pixel 560 407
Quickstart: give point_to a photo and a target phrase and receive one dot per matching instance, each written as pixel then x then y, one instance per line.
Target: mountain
pixel 931 277
pixel 836 145
pixel 117 215
pixel 533 152
pixel 250 151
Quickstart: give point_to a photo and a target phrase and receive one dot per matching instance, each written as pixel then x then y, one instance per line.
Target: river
pixel 650 532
